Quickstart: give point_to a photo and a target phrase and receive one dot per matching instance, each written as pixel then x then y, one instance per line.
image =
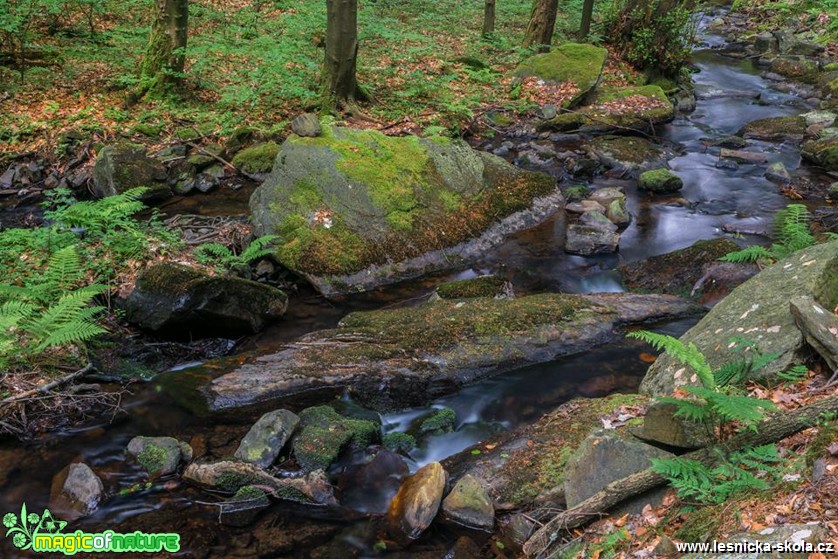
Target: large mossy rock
pixel 628 155
pixel 617 109
pixel 796 67
pixel 398 358
pixel 775 129
pixel 123 166
pixel 266 439
pixel 659 181
pixel 527 470
pixel 324 434
pixel 179 301
pixel 356 209
pixel 159 456
pixel 575 63
pixel 757 310
pixel 823 152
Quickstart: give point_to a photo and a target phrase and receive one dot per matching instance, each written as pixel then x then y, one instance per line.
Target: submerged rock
pixel 355 209
pixel 758 310
pixel 124 166
pixel 408 356
pixel 578 64
pixel 76 491
pixel 243 507
pixel 777 173
pixel 415 505
pixel 176 300
pixel 159 456
pixel 267 438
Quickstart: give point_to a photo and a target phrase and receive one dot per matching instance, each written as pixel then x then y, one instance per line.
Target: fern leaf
pixel 688 354
pixel 258 248
pixel 753 253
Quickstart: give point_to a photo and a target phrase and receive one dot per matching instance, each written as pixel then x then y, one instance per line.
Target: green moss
pixel 250 493
pixel 152 458
pixel 398 441
pixel 822 152
pixel 827 434
pixel 440 421
pixel 576 192
pixel 147 130
pixel 257 159
pixel 326 433
pixel 775 127
pixel 660 181
pixel 580 64
pixel 187 133
pixel 607 94
pixel 483 286
pixel 232 482
pixel 701 524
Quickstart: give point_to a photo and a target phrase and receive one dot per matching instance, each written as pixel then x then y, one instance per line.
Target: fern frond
pixel 688 354
pixel 743 409
pixel 792 227
pixel 691 410
pixel 258 248
pixel 753 253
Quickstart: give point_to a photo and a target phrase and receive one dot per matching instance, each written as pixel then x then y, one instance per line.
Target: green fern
pixel 687 354
pixel 222 258
pixel 791 228
pixel 753 253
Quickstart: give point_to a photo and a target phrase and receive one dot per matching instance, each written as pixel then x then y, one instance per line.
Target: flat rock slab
pixel 757 310
pixel 405 357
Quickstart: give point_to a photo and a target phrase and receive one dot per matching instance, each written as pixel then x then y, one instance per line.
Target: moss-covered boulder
pixel 123 166
pixel 660 181
pixel 775 129
pixel 822 152
pixel 357 209
pixel 230 476
pixel 628 155
pixel 574 63
pixel 758 310
pixel 175 300
pixel 527 469
pixel 615 109
pixel 258 159
pixel 159 456
pixel 266 439
pixel 469 505
pixel 481 286
pixel 324 434
pixel 797 68
pixel 397 358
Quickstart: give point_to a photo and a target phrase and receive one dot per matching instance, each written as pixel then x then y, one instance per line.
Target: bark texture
pixel 542 22
pixel 489 17
pixel 164 59
pixel 338 82
pixel 587 15
pixel 774 429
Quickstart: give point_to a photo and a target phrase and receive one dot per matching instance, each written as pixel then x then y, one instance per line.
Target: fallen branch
pixel 213 155
pixel 773 429
pixel 49 386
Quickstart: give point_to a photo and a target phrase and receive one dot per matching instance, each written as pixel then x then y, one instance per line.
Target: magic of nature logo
pixel 43 533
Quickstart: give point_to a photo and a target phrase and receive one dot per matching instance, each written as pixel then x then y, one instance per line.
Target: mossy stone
pixel 775 129
pixel 398 441
pixel 482 286
pixel 187 133
pixel 159 456
pixel 439 421
pixel 149 130
pixel 257 159
pixel 576 63
pixel 822 152
pixel 324 434
pixel 660 181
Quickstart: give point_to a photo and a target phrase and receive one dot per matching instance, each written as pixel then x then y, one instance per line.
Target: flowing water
pixel 533 260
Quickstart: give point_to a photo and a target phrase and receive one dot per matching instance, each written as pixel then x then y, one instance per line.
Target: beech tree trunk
pixel 775 428
pixel 164 59
pixel 338 84
pixel 489 18
pixel 587 15
pixel 542 22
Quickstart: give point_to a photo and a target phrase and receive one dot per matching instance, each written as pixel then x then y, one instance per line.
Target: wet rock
pixel 660 181
pixel 775 129
pixel 239 138
pixel 821 118
pixel 777 173
pixel 482 286
pixel 676 272
pixel 324 434
pixel 306 125
pixel 266 439
pixel 464 548
pixel 370 487
pixel 398 441
pixel 7 179
pixel 832 193
pixel 397 358
pixel 742 156
pixel 182 177
pixel 469 505
pixel 159 456
pixel 594 234
pixel 757 309
pixel 384 213
pixel 766 43
pixel 795 67
pixel 730 142
pixel 242 508
pixel 175 300
pixel 685 101
pixel 801 47
pixel 628 155
pixel 124 166
pixel 614 200
pixel 603 457
pixel 76 492
pixel 822 152
pixel 416 504
pixel 585 206
pixel 435 422
pixel 229 476
pixel 577 64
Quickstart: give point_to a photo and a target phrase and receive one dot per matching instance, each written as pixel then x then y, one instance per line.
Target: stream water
pixel 533 260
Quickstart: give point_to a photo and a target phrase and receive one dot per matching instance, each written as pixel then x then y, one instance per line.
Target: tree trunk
pixel 587 15
pixel 164 59
pixel 773 429
pixel 338 85
pixel 489 18
pixel 542 22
